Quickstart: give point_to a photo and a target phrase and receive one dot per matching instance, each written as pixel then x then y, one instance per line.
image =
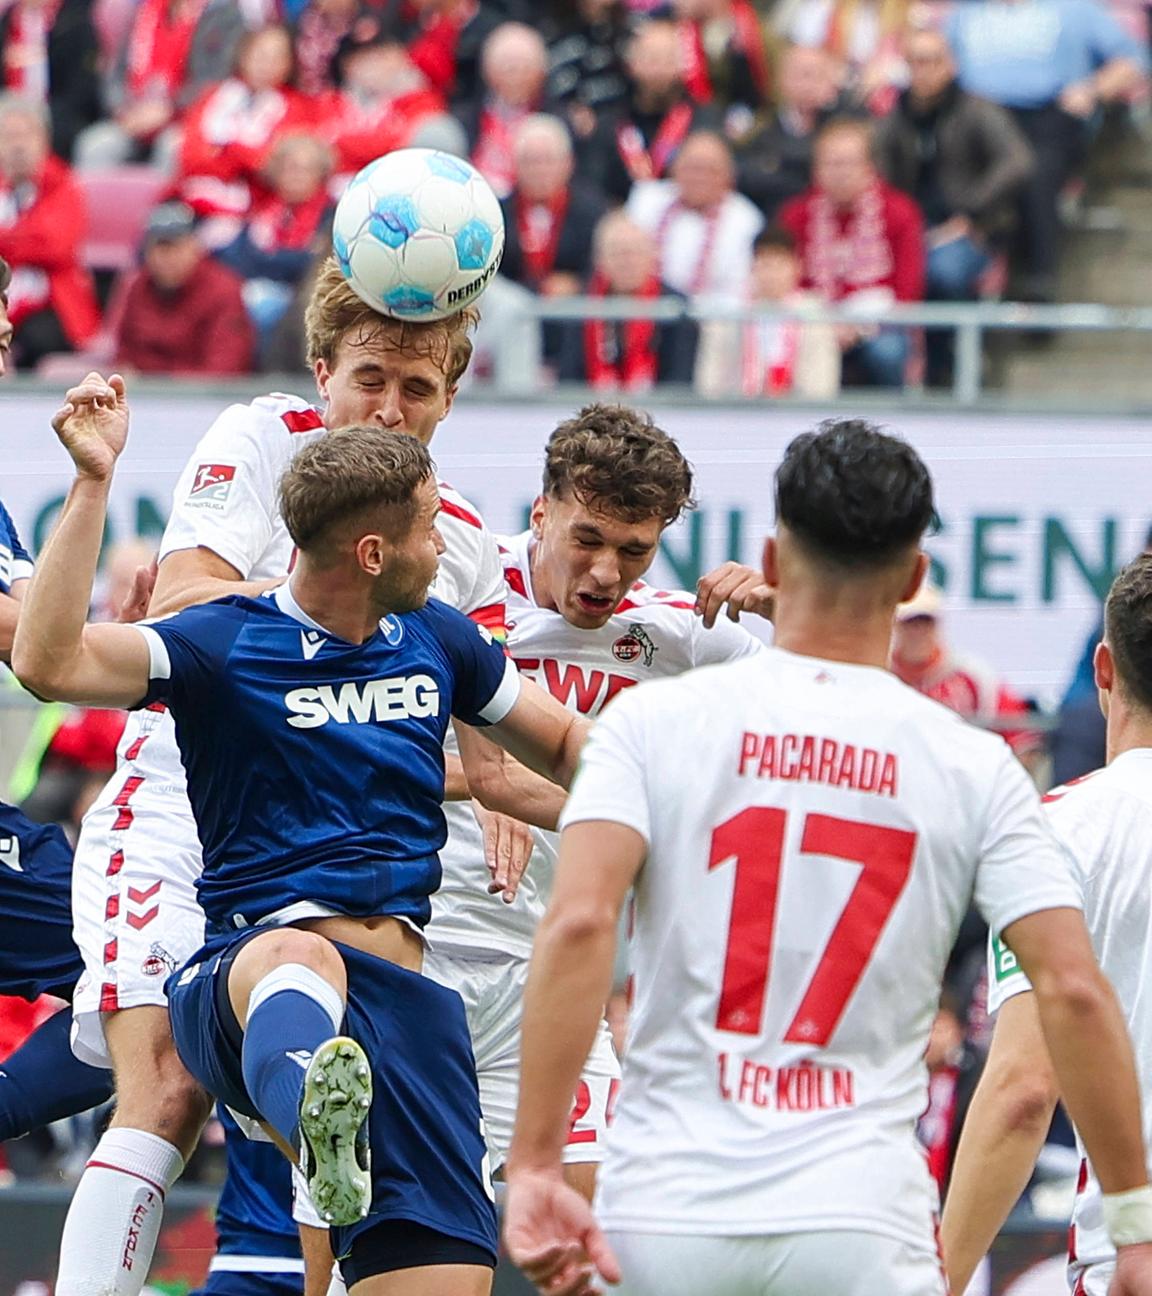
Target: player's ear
pixel 918 577
pixel 536 516
pixel 449 397
pixel 370 553
pixel 323 376
pixel 769 563
pixel 1104 668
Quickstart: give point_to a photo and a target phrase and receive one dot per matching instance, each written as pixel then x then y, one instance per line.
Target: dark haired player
pixel 1105 821
pixel 315 886
pixel 584 625
pixel 804 834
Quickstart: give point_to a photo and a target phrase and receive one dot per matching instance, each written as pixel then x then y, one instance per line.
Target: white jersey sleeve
pixel 725 641
pixel 1006 978
pixel 1023 867
pixel 610 784
pixel 471 574
pixel 226 498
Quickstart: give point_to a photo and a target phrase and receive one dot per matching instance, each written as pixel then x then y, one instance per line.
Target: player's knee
pixel 158 1095
pixel 275 949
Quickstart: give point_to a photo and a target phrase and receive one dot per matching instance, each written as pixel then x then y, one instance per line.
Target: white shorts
pixel 831 1263
pixel 493 994
pixel 135 917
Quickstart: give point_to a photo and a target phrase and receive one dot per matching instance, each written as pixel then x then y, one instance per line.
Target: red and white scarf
pixel 538 225
pixel 492 156
pixel 159 46
pixel 652 163
pixel 698 280
pixel 621 354
pixel 26 50
pixel 844 258
pixel 768 359
pixel 746 39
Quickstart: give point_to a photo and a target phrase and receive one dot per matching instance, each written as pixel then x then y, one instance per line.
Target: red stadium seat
pixel 119 200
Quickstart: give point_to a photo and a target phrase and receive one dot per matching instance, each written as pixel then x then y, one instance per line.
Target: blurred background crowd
pixel 168 168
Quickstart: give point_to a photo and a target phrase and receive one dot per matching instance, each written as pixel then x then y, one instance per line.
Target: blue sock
pixel 291 1012
pixel 44 1081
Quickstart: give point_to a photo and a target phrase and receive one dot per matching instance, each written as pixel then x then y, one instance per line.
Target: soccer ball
pixel 418 234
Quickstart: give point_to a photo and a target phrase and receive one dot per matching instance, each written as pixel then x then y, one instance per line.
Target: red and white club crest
pixel 212 482
pixel 634 643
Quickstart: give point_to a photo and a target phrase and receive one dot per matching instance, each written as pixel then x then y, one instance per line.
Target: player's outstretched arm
pixel 191 576
pixel 55 654
pixel 549 1227
pixel 504 786
pixel 9 616
pixel 1091 1054
pixel 1004 1130
pixel 541 733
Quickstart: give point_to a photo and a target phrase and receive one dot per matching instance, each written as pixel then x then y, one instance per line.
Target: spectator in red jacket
pixel 183 312
pixel 43 220
pixel 384 102
pixel 861 242
pixel 229 132
pixel 446 41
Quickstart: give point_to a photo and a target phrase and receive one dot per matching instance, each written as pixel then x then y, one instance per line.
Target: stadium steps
pixel 1108 259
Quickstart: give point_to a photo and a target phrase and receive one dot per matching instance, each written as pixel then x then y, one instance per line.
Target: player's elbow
pixel 38 671
pixel 1074 994
pixel 582 925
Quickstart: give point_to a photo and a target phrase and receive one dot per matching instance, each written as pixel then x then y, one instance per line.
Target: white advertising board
pixel 1036 511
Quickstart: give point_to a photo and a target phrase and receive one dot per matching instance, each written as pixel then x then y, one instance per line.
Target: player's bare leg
pixel 430 1280
pixel 114 1219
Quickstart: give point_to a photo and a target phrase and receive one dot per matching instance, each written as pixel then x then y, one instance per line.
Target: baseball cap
pixel 169 221
pixel 926 603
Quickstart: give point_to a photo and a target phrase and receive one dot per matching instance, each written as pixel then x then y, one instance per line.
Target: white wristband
pixel 1128 1216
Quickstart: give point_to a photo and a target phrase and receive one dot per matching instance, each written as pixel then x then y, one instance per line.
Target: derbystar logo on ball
pixel 418 234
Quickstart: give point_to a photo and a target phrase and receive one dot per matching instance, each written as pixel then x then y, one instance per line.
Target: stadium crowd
pixel 168 167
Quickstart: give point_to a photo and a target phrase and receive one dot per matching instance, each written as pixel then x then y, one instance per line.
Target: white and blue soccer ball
pixel 418 234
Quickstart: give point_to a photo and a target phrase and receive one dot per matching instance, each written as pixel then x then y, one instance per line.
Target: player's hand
pixel 551 1233
pixel 1133 1276
pixel 741 588
pixel 135 605
pixel 508 847
pixel 92 425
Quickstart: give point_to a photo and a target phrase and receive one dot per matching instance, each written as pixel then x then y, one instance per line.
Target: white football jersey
pixel 1105 821
pixel 653 633
pixel 226 501
pixel 816 832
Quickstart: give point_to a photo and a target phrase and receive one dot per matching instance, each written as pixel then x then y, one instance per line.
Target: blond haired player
pixel 804 834
pixel 1105 820
pixel 138 858
pixel 584 624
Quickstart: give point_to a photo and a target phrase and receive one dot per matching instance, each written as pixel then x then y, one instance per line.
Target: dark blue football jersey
pixel 15 560
pixel 37 954
pixel 315 766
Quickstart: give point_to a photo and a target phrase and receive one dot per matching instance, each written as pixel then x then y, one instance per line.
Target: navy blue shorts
pixel 227 1282
pixel 37 953
pixel 429 1161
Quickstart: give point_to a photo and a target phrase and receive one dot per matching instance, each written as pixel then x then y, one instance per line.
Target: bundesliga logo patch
pixel 212 483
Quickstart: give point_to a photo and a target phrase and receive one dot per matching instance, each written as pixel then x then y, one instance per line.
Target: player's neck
pixel 806 627
pixel 335 605
pixel 1129 728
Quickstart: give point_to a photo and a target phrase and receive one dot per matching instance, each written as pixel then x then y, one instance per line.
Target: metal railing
pixel 516 373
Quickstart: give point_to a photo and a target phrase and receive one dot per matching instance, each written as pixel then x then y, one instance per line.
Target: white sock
pixel 114 1219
